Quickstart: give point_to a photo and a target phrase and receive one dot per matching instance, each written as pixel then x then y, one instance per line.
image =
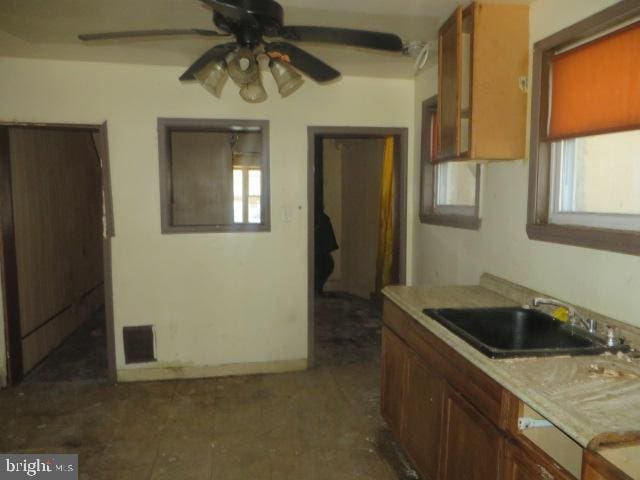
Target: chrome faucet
pixel 575 318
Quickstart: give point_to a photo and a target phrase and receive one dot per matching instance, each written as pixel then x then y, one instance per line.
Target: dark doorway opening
pixel 344 184
pixel 56 223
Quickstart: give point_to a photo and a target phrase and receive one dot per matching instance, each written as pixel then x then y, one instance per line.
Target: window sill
pixel 456 221
pixel 244 227
pixel 619 241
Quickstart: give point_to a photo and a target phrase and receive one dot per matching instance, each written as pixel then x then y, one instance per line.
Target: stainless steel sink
pixel 519 332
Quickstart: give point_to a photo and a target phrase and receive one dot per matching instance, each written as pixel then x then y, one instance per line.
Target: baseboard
pixel 182 372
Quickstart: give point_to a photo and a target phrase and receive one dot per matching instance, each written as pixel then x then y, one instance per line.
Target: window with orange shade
pixel 584 185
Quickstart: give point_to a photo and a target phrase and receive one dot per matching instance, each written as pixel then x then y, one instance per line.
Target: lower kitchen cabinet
pixel 471 445
pixel 393 372
pixel 594 467
pixel 424 398
pixel 523 462
pixel 452 420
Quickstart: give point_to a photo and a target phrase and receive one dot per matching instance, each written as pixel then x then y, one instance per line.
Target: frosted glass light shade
pixel 213 77
pixel 287 79
pixel 243 67
pixel 253 92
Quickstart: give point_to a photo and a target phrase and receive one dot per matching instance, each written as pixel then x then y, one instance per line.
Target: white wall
pixel 215 299
pixel 361 177
pixel 602 281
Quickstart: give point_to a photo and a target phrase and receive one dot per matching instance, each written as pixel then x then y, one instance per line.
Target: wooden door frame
pixel 9 281
pixel 315 134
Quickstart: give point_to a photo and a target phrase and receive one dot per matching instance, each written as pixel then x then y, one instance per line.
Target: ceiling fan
pixel 250 21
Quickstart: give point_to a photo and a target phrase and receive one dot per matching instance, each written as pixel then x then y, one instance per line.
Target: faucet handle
pixel 612 339
pixel 592 325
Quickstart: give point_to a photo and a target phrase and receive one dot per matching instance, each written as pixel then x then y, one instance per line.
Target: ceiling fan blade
pixel 233 12
pixel 344 36
pixel 150 33
pixel 217 53
pixel 303 61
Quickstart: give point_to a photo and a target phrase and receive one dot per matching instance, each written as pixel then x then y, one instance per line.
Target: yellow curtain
pixel 385 224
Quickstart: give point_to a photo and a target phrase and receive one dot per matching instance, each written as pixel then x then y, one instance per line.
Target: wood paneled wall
pixel 57 200
pixel 202 178
pixel 352 171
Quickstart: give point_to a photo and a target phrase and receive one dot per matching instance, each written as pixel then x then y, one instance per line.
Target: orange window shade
pixel 595 88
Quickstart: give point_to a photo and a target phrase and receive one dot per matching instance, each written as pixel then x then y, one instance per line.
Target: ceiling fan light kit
pixel 249 21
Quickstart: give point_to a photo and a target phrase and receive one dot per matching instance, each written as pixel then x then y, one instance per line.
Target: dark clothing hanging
pixel 325 243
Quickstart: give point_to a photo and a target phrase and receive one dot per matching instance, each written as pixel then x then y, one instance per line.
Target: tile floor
pixel 319 424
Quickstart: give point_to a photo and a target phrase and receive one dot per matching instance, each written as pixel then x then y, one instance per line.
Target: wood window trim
pixel 427 212
pixel 538 226
pixel 165 127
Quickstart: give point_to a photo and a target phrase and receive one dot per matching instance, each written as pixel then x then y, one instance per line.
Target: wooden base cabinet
pixel 594 467
pixel 452 420
pixel 424 399
pixel 393 379
pixel 471 445
pixel 523 462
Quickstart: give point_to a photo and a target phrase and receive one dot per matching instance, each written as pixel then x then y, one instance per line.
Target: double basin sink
pixel 519 332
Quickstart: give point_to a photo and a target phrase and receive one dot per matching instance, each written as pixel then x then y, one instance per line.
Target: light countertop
pixel 593 399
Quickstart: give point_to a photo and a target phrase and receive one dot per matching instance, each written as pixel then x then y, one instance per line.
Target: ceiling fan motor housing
pixel 268 14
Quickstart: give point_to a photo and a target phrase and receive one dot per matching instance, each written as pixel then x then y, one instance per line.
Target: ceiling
pixel 49 29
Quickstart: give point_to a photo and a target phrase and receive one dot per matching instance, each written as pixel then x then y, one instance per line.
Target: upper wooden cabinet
pixel 482 70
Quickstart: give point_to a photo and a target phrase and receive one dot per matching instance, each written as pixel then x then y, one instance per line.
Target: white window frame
pixel 563 195
pixel 245 193
pixel 440 186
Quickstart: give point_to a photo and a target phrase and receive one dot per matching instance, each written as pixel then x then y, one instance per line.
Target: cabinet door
pixel 449 85
pixel 424 397
pixel 393 380
pixel 531 464
pixel 471 445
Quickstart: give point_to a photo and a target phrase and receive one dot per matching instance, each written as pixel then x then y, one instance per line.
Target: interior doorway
pixel 56 220
pixel 357 212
